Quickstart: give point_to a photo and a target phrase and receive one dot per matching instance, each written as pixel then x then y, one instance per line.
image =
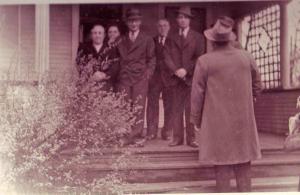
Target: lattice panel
pixel 294 11
pixel 263 41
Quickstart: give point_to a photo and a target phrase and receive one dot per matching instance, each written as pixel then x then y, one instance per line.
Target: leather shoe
pixel 193 144
pixel 165 137
pixel 175 143
pixel 151 137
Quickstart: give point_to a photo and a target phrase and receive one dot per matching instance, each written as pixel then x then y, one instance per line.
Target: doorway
pixel 102 14
pixel 198 23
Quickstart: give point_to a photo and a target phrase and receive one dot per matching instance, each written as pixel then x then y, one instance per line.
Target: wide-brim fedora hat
pixel 133 14
pixel 185 10
pixel 221 31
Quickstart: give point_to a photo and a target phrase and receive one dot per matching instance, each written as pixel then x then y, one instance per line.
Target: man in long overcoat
pixel 224 83
pixel 160 84
pixel 137 63
pixel 181 53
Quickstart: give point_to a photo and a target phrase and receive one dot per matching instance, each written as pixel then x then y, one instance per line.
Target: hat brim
pixel 210 35
pixel 134 18
pixel 186 14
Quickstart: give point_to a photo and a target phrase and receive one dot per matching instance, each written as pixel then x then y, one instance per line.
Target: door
pixel 197 23
pixel 99 13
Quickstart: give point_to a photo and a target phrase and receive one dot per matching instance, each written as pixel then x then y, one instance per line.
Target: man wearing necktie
pixel 159 84
pixel 137 64
pixel 181 54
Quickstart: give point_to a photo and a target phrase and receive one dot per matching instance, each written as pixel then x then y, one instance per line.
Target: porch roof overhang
pixel 4 2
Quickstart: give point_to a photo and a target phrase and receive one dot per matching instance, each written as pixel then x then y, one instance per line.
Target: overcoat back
pixel 222 104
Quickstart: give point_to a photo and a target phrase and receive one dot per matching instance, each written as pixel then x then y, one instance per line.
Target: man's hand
pixel 181 73
pixel 197 129
pixel 99 76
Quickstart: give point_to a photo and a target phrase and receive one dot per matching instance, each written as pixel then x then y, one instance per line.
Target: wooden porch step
pixel 167 154
pixel 276 184
pixel 162 171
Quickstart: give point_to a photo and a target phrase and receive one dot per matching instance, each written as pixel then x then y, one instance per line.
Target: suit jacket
pixel 161 69
pixel 183 54
pixel 137 59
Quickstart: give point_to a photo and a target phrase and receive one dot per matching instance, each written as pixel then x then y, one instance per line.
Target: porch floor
pixel 267 141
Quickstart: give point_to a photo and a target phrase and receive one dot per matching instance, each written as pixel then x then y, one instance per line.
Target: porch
pixel 163 169
pixel 53 31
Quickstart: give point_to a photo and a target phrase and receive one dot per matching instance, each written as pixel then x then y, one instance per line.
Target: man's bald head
pixel 163 27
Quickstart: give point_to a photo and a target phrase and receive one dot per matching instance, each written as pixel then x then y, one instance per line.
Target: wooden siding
pixel 17 40
pixel 60 40
pixel 273 110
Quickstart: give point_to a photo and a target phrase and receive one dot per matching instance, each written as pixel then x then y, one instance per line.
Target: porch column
pixel 42 22
pixel 75 30
pixel 284 47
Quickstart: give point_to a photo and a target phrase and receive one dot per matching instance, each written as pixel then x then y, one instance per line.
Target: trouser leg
pixel 139 94
pixel 155 88
pixel 178 97
pixel 243 176
pixel 167 105
pixel 223 178
pixel 190 131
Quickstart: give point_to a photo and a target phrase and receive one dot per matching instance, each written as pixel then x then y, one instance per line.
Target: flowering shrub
pixel 36 128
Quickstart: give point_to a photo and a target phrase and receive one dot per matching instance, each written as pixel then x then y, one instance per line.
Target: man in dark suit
pixel 180 56
pixel 137 62
pixel 159 83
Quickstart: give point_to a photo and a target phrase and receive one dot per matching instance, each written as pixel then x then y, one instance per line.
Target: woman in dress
pixel 97 62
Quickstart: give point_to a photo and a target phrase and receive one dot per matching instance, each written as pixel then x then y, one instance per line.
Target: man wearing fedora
pixel 225 83
pixel 137 62
pixel 181 53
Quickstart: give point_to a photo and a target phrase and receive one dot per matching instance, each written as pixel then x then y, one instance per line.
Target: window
pixel 17 42
pixel 261 36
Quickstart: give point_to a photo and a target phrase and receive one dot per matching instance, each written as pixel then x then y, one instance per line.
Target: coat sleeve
pixel 150 56
pixel 199 50
pixel 113 70
pixel 256 80
pixel 198 92
pixel 80 59
pixel 168 57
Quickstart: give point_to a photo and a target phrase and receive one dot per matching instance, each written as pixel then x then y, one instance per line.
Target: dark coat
pixel 89 61
pixel 137 59
pixel 184 54
pixel 224 84
pixel 161 69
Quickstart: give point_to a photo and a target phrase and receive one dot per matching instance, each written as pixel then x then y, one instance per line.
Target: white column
pixel 42 23
pixel 75 30
pixel 284 47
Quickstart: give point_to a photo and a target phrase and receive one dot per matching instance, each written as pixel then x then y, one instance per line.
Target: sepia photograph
pixel 102 97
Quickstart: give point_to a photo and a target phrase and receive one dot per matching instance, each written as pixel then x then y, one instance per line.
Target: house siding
pixel 60 55
pixel 273 110
pixel 17 40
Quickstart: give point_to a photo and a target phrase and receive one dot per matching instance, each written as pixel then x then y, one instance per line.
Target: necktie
pixel 162 40
pixel 182 37
pixel 132 36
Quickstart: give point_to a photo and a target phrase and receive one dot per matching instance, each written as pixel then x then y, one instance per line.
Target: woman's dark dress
pixel 89 61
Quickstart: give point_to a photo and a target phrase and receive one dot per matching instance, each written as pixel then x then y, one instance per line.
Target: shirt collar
pixel 135 33
pixel 184 31
pixel 97 47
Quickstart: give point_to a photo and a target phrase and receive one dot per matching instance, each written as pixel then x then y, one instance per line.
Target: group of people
pixel 143 67
pixel 207 92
